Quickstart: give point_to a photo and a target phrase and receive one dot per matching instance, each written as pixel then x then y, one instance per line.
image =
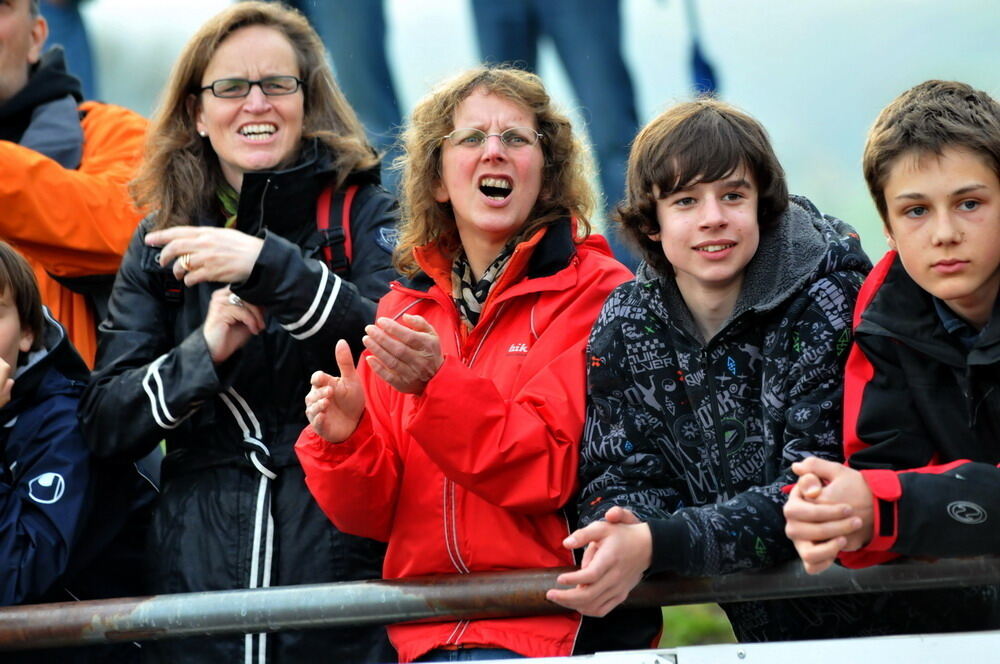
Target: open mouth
pixel 496 189
pixel 258 132
pixel 714 248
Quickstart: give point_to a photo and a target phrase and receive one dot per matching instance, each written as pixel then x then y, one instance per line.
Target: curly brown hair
pixel 180 174
pixel 697 141
pixel 565 191
pixel 925 120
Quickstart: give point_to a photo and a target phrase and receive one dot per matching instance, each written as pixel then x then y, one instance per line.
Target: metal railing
pixel 480 595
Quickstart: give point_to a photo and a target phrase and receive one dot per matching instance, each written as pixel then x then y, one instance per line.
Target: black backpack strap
pixel 335 241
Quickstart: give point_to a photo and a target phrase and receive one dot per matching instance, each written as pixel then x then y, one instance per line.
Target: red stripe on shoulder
pixel 857 374
pixel 873 282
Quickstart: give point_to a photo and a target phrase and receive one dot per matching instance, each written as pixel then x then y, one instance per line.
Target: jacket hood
pixel 34 375
pixel 804 246
pixel 48 81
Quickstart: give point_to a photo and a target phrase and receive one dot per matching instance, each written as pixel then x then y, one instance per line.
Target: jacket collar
pixel 56 353
pixel 285 200
pixel 544 254
pixel 902 310
pixel 48 81
pixel 801 248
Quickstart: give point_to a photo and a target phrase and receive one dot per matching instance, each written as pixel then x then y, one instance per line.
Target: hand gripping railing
pixel 479 595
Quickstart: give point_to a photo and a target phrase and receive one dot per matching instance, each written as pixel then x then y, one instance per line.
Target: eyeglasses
pixel 515 137
pixel 272 86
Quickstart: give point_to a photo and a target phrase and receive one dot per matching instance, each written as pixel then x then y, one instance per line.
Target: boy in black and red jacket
pixel 922 393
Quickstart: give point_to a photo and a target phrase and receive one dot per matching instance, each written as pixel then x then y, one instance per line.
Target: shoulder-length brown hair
pixel 180 174
pixel 565 187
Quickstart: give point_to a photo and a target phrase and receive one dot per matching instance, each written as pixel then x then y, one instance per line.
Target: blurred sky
pixel 815 72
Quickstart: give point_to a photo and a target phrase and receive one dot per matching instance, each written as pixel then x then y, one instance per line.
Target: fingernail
pixel 570 542
pixel 856 522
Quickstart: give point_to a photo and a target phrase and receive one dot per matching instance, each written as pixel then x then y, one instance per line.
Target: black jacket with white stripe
pixel 234 511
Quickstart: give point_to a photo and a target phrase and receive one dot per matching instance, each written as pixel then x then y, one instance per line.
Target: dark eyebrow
pixel 961 191
pixel 741 183
pixel 968 189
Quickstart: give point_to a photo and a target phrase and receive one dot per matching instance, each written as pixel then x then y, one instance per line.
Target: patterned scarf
pixel 469 296
pixel 230 201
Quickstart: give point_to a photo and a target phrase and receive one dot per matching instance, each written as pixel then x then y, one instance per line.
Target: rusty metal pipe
pixel 480 595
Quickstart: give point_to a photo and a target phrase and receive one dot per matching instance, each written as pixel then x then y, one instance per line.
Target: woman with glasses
pixel 456 438
pixel 226 302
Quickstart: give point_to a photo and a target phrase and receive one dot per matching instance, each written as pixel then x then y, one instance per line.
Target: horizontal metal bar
pixel 480 595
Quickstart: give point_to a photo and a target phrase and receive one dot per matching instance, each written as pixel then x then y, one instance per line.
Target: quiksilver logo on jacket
pixel 47 488
pixel 518 348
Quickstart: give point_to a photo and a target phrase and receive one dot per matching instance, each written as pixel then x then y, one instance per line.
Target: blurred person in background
pixel 587 35
pixel 225 304
pixel 354 33
pixel 64 169
pixel 67 29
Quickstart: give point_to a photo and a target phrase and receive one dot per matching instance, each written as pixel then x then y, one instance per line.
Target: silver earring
pixel 203 134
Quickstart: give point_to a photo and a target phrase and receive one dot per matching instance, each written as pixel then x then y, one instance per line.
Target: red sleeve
pixel 355 482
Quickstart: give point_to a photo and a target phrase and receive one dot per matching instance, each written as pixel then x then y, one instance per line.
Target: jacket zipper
pixel 726 472
pixel 450 503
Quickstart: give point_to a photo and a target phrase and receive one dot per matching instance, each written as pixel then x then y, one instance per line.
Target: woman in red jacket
pixel 456 439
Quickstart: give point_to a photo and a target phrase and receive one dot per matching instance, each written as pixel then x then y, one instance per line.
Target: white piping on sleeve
pixel 334 292
pixel 291 327
pixel 157 398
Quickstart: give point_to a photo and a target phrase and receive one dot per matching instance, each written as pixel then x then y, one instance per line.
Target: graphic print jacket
pixel 697 438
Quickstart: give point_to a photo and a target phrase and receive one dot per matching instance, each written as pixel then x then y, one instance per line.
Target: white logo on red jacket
pixel 520 349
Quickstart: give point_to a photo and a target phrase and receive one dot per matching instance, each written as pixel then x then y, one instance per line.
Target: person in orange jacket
pixel 64 169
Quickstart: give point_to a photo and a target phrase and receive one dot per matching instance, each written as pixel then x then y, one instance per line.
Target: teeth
pixel 258 131
pixel 496 189
pixel 499 183
pixel 712 248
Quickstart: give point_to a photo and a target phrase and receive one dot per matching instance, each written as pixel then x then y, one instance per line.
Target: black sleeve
pixel 928 506
pixel 314 305
pixel 145 383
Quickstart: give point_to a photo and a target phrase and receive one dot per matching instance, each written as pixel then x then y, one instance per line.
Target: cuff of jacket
pixel 314 445
pixel 270 255
pixel 669 544
pixel 886 491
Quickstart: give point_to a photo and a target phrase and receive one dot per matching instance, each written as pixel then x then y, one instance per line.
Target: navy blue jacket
pixel 44 470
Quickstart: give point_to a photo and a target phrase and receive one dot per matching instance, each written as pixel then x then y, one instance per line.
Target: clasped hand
pixel 829 510
pixel 619 551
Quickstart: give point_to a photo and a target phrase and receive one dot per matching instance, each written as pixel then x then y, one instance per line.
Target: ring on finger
pixel 185 262
pixel 235 299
